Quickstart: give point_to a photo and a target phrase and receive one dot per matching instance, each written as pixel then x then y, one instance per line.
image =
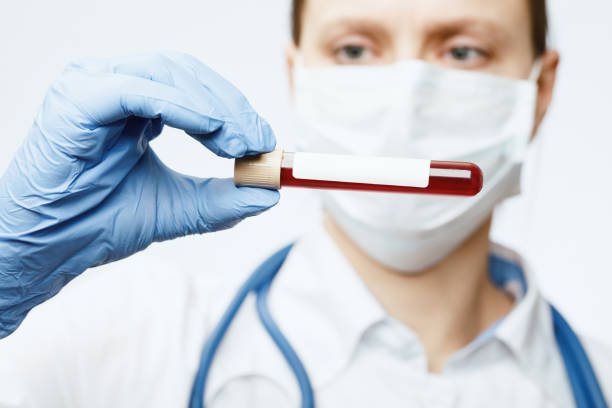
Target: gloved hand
pixel 85 188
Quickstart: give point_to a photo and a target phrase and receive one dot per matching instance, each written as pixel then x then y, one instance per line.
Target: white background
pixel 562 223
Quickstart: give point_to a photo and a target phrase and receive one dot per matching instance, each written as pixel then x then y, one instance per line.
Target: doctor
pixel 392 301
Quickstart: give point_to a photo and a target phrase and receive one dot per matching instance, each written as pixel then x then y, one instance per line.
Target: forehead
pixel 513 15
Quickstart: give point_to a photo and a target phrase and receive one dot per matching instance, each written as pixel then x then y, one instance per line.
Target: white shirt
pixel 134 340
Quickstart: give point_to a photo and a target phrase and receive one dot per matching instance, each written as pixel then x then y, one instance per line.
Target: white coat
pixel 134 341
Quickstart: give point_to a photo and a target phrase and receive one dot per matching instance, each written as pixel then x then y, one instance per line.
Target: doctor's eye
pixel 465 57
pixel 353 54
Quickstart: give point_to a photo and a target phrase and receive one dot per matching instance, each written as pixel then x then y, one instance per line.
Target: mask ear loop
pixel 536 70
pixel 298 65
pixel 298 60
pixel 534 76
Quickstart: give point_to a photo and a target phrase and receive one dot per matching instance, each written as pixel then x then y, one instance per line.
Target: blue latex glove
pixel 85 188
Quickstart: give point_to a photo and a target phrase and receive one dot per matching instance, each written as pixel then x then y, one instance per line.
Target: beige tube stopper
pixel 261 170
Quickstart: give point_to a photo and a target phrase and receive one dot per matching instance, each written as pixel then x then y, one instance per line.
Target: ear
pixel 546 85
pixel 290 54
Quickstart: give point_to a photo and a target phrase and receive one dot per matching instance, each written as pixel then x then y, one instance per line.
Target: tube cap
pixel 261 170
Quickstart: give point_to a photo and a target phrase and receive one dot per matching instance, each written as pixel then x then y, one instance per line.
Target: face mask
pixel 417 110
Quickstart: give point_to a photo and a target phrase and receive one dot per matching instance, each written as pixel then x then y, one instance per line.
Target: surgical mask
pixel 418 110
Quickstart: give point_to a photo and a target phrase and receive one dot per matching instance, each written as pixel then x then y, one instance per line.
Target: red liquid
pixel 437 185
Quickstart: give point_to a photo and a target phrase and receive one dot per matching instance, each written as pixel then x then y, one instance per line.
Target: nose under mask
pixel 417 110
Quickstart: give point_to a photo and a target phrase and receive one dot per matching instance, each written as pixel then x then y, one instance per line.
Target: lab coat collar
pixel 324 310
pixel 517 328
pixel 528 329
pixel 316 280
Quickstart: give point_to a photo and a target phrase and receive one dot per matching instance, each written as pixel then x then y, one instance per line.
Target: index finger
pixel 209 91
pixel 233 107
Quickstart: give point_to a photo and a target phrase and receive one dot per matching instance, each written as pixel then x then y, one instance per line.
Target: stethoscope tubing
pixel 585 387
pixel 259 282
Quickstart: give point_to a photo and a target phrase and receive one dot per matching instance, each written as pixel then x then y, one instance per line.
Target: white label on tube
pixel 391 171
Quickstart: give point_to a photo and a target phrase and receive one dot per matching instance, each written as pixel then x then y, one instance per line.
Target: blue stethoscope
pixel 585 387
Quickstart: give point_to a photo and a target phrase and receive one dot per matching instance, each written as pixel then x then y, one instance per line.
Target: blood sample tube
pixel 343 172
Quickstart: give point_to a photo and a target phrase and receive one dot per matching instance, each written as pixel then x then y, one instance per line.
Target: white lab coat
pixel 134 340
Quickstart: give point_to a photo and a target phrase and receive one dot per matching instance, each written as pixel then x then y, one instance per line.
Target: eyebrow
pixel 362 25
pixel 434 29
pixel 448 28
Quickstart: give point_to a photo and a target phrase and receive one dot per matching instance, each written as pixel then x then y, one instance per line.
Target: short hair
pixel 539 24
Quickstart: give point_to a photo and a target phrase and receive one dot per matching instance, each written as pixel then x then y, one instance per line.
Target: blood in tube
pixel 445 177
pixel 349 172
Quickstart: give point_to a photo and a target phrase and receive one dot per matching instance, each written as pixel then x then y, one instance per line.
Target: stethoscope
pixel 585 387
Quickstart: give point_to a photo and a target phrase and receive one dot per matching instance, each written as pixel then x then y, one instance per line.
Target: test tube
pixel 345 172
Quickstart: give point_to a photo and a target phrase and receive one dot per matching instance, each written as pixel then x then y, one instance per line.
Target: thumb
pixel 198 205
